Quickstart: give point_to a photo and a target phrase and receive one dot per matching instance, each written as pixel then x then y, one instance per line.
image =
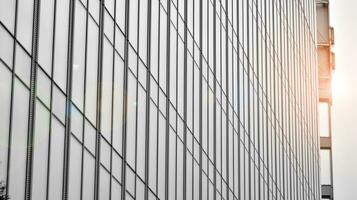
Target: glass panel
pixel 6 47
pixel 46 35
pixel 76 122
pixel 108 26
pixel 60 59
pixel 40 152
pixel 89 137
pixel 24 23
pixel 59 104
pixel 88 179
pixel 79 55
pixel 109 4
pixel 143 29
pixel 104 193
pixel 119 41
pixel 91 74
pixel 23 65
pixel 105 153
pixel 131 120
pixel 94 9
pixel 153 146
pixel 161 156
pixel 107 77
pixel 19 141
pixel 75 165
pixel 43 87
pixel 5 100
pixel 324 123
pixel 140 189
pixel 116 189
pixel 133 20
pixel 120 14
pixel 7 13
pixel 325 167
pixel 56 160
pixel 118 103
pixel 130 181
pixel 117 165
pixel 141 133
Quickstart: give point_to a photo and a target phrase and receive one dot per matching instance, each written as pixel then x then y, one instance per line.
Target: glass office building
pixel 158 99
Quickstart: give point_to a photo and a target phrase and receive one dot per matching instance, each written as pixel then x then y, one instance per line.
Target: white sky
pixel 343 16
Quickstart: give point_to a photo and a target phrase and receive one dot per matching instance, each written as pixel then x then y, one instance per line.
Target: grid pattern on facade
pixel 170 99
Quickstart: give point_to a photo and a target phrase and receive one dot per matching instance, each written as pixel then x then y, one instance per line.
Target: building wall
pixel 137 99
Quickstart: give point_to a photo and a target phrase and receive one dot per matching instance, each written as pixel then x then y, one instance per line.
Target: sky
pixel 343 17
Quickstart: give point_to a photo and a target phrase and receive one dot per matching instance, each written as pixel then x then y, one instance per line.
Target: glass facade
pixel 158 99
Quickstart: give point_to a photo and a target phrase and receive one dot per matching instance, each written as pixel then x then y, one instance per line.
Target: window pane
pixel 89 137
pixel 94 9
pixel 88 179
pixel 43 87
pixel 5 91
pixel 143 29
pixel 7 13
pixel 108 26
pixel 60 59
pixel 153 146
pixel 116 190
pixel 133 20
pixel 325 167
pixel 117 165
pixel 161 157
pixel 6 46
pixel 131 120
pixel 79 55
pixel 46 35
pixel 76 122
pixel 120 12
pixel 23 65
pixel 119 41
pixel 141 132
pixel 107 88
pixel 104 184
pixel 24 23
pixel 74 183
pixel 19 141
pixel 91 79
pixel 59 104
pixel 40 152
pixel 105 154
pixel 118 103
pixel 140 189
pixel 324 123
pixel 56 160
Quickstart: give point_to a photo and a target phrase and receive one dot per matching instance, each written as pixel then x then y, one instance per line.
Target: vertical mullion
pixel 51 99
pixel 148 90
pixel 125 103
pixel 99 100
pixel 239 103
pixel 249 105
pixel 201 102
pixel 11 102
pixel 32 101
pixel 67 135
pixel 227 100
pixel 258 97
pixel 167 125
pixel 84 102
pixel 112 103
pixel 185 103
pixel 215 101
